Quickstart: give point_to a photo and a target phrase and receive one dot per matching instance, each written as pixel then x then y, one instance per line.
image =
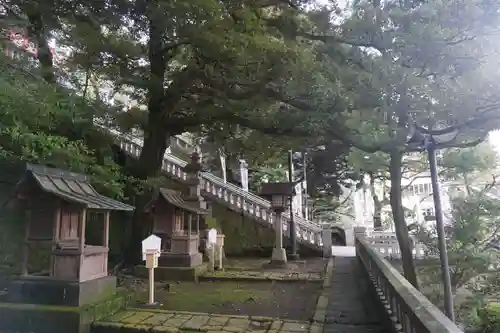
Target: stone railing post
pixel 359 232
pixel 349 236
pixel 326 235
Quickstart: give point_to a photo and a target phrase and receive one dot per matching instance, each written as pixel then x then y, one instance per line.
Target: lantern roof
pixel 270 189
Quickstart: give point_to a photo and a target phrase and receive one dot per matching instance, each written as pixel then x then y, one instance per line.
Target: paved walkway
pixel 343 251
pixel 138 320
pixel 266 276
pixel 351 309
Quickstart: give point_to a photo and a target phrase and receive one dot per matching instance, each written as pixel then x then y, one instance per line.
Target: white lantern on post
pixel 151 250
pixel 212 242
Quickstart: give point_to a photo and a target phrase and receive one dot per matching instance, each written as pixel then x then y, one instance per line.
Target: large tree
pixel 193 64
pixel 424 63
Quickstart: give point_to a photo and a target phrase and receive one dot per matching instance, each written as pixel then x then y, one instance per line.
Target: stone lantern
pixel 279 194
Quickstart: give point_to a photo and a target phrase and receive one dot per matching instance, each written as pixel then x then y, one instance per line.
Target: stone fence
pixel 405 308
pixel 387 244
pixel 383 242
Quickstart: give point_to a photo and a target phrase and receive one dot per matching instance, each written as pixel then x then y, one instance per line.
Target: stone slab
pixel 261 276
pixel 350 307
pixel 138 320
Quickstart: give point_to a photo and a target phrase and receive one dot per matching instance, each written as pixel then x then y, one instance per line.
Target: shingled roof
pixel 71 187
pixel 175 198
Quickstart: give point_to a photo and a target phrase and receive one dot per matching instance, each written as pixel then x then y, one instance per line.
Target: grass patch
pixel 208 296
pixel 275 299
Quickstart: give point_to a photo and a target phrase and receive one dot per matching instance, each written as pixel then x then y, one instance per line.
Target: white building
pixel 417 197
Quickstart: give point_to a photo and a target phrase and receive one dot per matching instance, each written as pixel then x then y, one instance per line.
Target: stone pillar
pixel 326 235
pixel 360 232
pixel 349 236
pixel 279 254
pixel 193 179
pixel 244 175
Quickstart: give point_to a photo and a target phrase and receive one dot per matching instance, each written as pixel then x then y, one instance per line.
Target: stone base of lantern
pixel 278 257
pixel 47 291
pixel 180 259
pixel 184 252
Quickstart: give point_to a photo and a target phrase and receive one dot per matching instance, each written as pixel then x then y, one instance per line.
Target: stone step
pixel 339 328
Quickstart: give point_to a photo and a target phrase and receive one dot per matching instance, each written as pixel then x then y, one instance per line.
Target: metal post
pixel 306 201
pixel 443 255
pixel 293 235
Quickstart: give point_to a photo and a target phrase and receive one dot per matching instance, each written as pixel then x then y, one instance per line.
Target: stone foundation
pixel 173 273
pixel 180 260
pixel 18 317
pixel 45 291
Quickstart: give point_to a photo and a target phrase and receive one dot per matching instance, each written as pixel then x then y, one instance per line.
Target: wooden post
pixel 151 294
pixel 151 264
pixel 105 240
pixel 55 235
pixel 213 256
pixel 83 222
pixel 221 247
pixel 24 265
pixel 105 237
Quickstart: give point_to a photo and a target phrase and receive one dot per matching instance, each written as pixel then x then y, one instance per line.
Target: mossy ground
pixel 285 300
pixel 310 265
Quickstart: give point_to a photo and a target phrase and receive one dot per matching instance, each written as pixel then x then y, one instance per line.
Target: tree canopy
pixel 323 79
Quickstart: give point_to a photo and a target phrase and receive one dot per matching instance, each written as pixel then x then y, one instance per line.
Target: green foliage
pixel 490 318
pixel 40 123
pixel 469 163
pixel 473 261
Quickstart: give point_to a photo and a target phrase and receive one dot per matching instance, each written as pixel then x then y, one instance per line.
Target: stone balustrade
pixel 406 309
pixel 386 243
pixel 231 195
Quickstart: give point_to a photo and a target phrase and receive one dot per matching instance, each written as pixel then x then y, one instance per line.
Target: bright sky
pixel 495 140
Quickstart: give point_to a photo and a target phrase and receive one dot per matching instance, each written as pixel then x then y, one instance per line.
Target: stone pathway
pixel 351 308
pixel 258 276
pixel 142 320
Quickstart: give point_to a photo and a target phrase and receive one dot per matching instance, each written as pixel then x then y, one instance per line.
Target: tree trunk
pixel 156 142
pixel 36 31
pixel 402 235
pixel 156 137
pixel 377 206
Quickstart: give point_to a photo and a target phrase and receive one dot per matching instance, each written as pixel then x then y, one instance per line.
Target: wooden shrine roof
pixel 71 187
pixel 175 198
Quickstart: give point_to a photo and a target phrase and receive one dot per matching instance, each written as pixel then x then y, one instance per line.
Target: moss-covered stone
pixel 244 236
pixel 58 319
pixel 172 273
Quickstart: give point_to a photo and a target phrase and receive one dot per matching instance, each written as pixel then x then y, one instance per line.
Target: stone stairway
pixel 230 195
pixel 351 308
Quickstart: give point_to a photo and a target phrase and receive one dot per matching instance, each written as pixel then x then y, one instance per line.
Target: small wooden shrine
pixel 177 221
pixel 59 206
